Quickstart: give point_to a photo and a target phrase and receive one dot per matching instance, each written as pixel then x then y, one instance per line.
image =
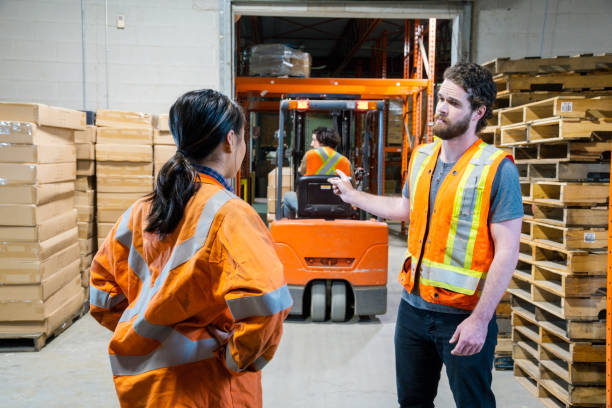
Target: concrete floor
pixel 316 366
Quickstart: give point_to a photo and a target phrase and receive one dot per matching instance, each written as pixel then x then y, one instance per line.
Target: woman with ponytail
pixel 188 279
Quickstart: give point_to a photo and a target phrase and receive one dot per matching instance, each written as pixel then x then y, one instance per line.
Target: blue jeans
pixel 421 347
pixel 290 204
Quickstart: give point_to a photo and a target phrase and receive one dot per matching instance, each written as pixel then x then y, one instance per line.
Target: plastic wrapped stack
pixel 40 266
pixel 278 60
pixel 124 164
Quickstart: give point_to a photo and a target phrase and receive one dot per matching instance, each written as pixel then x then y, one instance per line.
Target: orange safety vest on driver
pixel 454 258
pixel 218 268
pixel 325 160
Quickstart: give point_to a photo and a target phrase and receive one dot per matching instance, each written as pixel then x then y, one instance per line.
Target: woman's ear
pixel 229 144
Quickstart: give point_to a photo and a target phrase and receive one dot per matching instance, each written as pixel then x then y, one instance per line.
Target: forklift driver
pixel 321 159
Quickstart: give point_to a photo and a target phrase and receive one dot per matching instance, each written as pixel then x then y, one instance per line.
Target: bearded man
pixel 462 199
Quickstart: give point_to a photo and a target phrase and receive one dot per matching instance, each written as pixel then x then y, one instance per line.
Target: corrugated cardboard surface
pixel 122 169
pixel 114 135
pixel 85 136
pixel 104 228
pixel 140 184
pixel 66 311
pixel 163 138
pixel 36 173
pixel 44 289
pixel 43 115
pixel 31 214
pixel 39 310
pixel 84 198
pixel 87 245
pixel 115 118
pixel 162 154
pixel 86 229
pixel 17 271
pixel 85 183
pixel 29 133
pixel 35 193
pixel 85 151
pixel 161 122
pixel 85 167
pixel 46 229
pixel 124 153
pixel 41 250
pixel 85 213
pixel 19 153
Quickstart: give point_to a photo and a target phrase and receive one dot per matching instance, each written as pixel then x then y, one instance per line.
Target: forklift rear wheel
pixel 338 301
pixel 317 302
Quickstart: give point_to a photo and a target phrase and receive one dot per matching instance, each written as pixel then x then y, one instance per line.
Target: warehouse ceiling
pixel 338 46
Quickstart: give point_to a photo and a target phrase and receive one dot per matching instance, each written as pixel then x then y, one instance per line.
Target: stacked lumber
pixel 163 143
pixel 40 275
pixel 124 164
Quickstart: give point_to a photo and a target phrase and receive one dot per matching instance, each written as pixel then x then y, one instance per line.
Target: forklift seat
pixel 316 199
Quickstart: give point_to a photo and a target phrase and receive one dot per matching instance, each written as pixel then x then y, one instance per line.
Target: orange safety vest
pixel 219 269
pixel 325 160
pixel 454 258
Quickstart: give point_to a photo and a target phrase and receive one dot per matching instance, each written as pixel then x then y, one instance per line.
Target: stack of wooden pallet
pixel 561 147
pixel 40 276
pixel 124 164
pixel 85 198
pixel 163 143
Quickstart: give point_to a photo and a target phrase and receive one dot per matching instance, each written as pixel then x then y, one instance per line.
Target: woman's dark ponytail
pixel 199 121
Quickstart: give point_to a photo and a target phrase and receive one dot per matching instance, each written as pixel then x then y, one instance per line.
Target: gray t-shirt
pixel 506 204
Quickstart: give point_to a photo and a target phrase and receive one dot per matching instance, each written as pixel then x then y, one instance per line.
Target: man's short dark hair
pixel 479 85
pixel 327 136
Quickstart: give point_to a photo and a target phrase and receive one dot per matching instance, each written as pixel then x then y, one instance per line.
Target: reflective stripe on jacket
pixel 161 298
pixel 325 160
pixel 455 256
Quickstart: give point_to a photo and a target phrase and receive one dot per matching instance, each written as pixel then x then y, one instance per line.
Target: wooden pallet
pixel 561 171
pixel 551 130
pixel 549 400
pixel 565 193
pixel 551 82
pixel 571 330
pixel 565 285
pixel 569 238
pixel 568 393
pixel 596 149
pixel 490 135
pixel 570 216
pixel 578 63
pixel 563 260
pixel 12 342
pixel 584 308
pixel 571 351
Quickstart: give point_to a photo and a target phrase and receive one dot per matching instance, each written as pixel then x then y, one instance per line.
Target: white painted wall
pixel 516 29
pixel 171 46
pixel 166 48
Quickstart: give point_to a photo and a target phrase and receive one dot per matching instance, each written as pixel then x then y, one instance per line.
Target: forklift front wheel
pixel 338 301
pixel 317 302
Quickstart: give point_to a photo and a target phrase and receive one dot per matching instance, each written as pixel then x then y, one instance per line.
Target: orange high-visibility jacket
pixel 161 298
pixel 454 258
pixel 325 160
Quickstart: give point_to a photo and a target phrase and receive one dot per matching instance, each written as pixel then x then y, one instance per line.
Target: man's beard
pixel 448 131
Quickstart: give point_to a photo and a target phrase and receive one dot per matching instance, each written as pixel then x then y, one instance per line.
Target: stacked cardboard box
pixel 40 281
pixel 124 164
pixel 287 185
pixel 85 197
pixel 163 143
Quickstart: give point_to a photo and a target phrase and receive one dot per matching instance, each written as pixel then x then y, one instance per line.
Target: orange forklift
pixel 335 258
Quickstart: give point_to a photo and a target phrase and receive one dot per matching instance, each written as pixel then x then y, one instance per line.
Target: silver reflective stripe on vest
pixel 417 168
pixel 323 154
pixel 330 165
pixel 260 363
pixel 267 304
pixel 100 298
pixel 176 349
pixel 448 277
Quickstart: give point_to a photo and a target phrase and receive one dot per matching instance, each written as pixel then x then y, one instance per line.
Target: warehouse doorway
pixel 341 41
